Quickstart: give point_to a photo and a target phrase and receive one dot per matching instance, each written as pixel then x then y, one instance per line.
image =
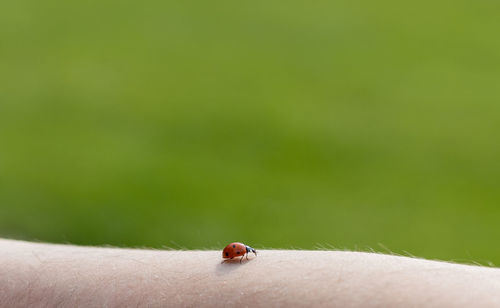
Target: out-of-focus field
pixel 280 124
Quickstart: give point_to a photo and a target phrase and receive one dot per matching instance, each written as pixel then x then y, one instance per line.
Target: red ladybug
pixel 235 250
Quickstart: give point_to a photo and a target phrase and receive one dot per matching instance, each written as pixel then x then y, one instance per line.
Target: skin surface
pixel 42 275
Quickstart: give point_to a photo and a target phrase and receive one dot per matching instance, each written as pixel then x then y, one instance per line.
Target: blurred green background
pixel 297 124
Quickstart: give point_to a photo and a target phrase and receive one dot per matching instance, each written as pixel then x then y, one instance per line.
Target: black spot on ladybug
pixel 237 252
pixel 234 246
pixel 227 254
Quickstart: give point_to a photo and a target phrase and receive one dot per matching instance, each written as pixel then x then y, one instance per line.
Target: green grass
pixel 297 124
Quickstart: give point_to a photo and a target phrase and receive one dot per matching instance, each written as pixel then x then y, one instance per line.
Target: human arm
pixel 36 274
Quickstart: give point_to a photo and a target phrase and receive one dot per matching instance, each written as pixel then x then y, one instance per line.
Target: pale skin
pixel 47 275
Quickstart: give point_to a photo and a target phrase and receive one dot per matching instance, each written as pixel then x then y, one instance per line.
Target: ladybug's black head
pixel 250 249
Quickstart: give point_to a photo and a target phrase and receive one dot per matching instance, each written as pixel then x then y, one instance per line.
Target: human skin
pixel 48 275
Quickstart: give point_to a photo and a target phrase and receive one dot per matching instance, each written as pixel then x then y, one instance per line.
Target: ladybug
pixel 235 250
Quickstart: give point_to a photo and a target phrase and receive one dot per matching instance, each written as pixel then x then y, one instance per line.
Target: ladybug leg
pixel 241 259
pixel 247 255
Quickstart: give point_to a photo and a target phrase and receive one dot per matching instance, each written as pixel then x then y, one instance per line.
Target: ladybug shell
pixel 234 250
